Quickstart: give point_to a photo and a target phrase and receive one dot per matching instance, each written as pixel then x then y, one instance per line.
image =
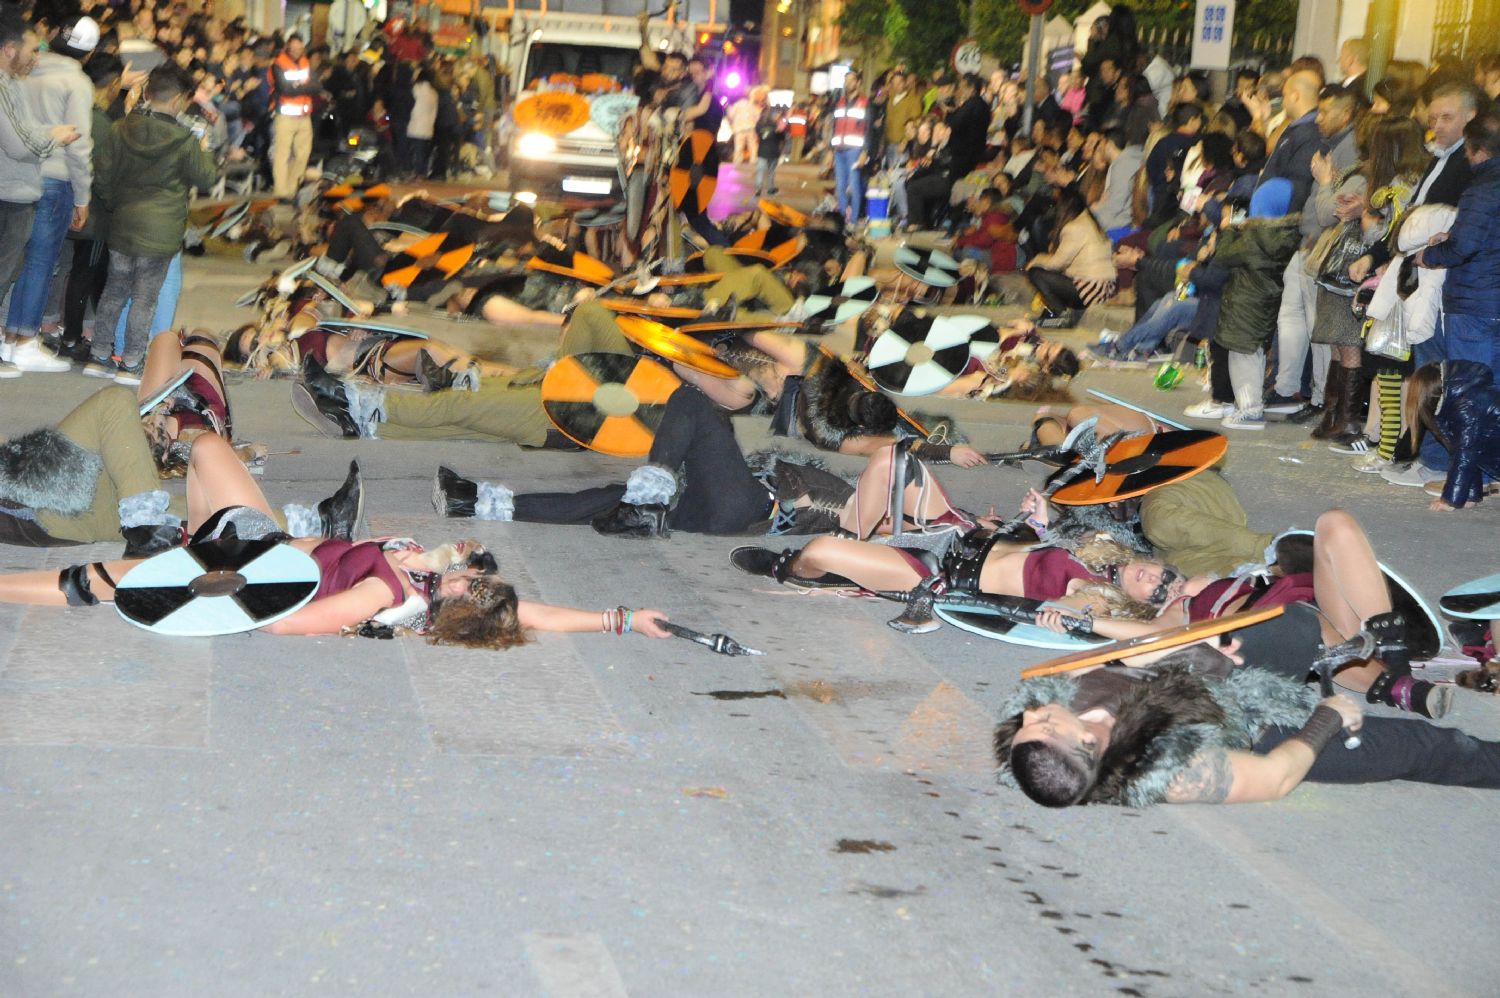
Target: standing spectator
pixel 90 261
pixel 743 117
pixel 293 86
pixel 848 142
pixel 1291 157
pixel 349 91
pixel 57 92
pixel 1337 155
pixel 902 106
pixel 1354 63
pixel 147 169
pixel 422 124
pixel 1471 253
pixel 770 132
pixel 24 146
pixel 796 128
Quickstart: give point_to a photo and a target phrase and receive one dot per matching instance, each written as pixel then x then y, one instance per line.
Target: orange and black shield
pixel 608 402
pixel 1135 466
pixel 695 173
pixel 668 344
pixel 435 257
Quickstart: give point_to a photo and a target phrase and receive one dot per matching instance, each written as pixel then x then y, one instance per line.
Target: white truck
pixel 591 56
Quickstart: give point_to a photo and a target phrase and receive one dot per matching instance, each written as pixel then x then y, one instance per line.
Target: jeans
pixel 765 175
pixel 1433 455
pixel 49 227
pixel 1396 749
pixel 1294 324
pixel 846 181
pixel 418 153
pixel 1165 314
pixel 899 209
pixel 135 279
pixel 1472 337
pixel 721 497
pixel 165 310
pixel 15 229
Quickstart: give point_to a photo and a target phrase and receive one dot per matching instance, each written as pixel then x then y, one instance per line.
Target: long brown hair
pixel 487 616
pixel 1424 390
pixel 1395 150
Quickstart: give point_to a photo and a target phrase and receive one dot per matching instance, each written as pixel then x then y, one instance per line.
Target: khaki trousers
pixel 291 145
pixel 499 411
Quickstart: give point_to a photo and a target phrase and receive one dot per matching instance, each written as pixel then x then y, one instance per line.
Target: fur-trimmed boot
pixel 338 517
pixel 459 497
pixel 146 525
pixel 643 509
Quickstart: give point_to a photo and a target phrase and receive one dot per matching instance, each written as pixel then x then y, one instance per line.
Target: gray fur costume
pixel 44 469
pixel 1172 716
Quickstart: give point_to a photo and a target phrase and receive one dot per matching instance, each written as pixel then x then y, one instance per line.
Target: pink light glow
pixel 733 80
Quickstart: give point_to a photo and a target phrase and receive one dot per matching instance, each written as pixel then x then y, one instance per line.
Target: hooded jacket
pixel 1255 254
pixel 1469 416
pixel 1472 251
pixel 1417 312
pixel 24 144
pixel 147 165
pixel 58 93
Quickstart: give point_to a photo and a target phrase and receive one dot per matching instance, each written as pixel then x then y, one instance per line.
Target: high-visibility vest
pixel 796 121
pixel 296 72
pixel 849 123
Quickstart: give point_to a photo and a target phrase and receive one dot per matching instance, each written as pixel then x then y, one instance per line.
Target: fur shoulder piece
pixel 44 469
pixel 825 403
pixel 1076 524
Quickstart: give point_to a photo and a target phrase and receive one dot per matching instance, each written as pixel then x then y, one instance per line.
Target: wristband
pixel 1320 728
pixel 934 453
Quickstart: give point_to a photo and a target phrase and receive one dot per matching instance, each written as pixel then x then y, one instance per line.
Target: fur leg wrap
pixel 650 485
pixel 73 583
pixel 302 521
pixel 146 509
pixel 494 502
pixel 366 407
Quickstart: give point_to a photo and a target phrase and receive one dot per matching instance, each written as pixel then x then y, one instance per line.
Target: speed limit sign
pixel 967 57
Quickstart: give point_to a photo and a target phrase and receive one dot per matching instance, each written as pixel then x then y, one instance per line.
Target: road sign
pixel 1213 34
pixel 1034 7
pixel 968 57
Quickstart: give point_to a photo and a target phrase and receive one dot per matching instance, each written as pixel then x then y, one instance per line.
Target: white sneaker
pixel 1107 335
pixel 1371 464
pixel 7 350
pixel 30 355
pixel 99 369
pixel 1413 476
pixel 1244 419
pixel 9 370
pixel 1208 409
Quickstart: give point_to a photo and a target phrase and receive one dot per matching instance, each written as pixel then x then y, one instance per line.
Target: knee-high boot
pixel 1336 399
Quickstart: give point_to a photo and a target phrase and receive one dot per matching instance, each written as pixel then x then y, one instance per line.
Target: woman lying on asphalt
pixel 451 595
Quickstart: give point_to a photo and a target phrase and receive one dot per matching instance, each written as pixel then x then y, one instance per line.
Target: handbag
pixel 1346 246
pixel 1387 337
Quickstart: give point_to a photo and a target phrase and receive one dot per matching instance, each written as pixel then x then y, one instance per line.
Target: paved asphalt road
pixel 598 816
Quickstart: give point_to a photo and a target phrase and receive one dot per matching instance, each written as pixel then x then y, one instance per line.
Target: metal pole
pixel 1033 56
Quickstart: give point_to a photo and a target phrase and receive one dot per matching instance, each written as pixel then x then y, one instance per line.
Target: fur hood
pixel 1170 717
pixel 825 403
pixel 44 469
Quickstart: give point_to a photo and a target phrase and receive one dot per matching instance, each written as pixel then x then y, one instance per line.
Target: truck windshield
pixel 546 59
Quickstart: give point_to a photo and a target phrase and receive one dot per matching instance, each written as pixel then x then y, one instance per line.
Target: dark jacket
pixel 1255 254
pixel 971 128
pixel 1446 189
pixel 1469 416
pixel 1472 250
pixel 143 175
pixel 97 225
pixel 1292 157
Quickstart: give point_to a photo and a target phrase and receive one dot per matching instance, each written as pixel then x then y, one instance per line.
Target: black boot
pixel 341 512
pixel 454 495
pixel 631 520
pixel 1414 695
pixel 431 376
pixel 151 538
pixel 918 617
pixel 1335 403
pixel 321 400
pixel 763 562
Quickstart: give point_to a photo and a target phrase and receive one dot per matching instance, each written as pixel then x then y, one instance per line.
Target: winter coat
pixel 1472 251
pixel 1418 311
pixel 59 93
pixel 1469 416
pixel 1256 254
pixel 97 224
pixel 148 165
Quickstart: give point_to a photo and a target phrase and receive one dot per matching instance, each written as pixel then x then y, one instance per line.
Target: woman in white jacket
pixel 420 127
pixel 1403 312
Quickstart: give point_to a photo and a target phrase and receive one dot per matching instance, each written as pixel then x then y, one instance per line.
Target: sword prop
pixel 1112 400
pixel 721 644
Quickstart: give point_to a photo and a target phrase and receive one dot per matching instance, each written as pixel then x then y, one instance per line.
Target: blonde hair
pixel 1105 600
pixel 1100 552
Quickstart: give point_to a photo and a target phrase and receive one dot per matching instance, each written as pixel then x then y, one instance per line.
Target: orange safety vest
pixel 295 72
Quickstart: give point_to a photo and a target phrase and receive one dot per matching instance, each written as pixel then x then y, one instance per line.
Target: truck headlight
pixel 535 145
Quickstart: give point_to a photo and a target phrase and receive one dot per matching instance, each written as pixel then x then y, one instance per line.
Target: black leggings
pixel 1058 291
pixel 721 497
pixel 86 278
pixel 351 242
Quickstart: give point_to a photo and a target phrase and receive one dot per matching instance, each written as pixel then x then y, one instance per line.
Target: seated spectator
pixel 1119 160
pixel 989 236
pixel 1077 269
